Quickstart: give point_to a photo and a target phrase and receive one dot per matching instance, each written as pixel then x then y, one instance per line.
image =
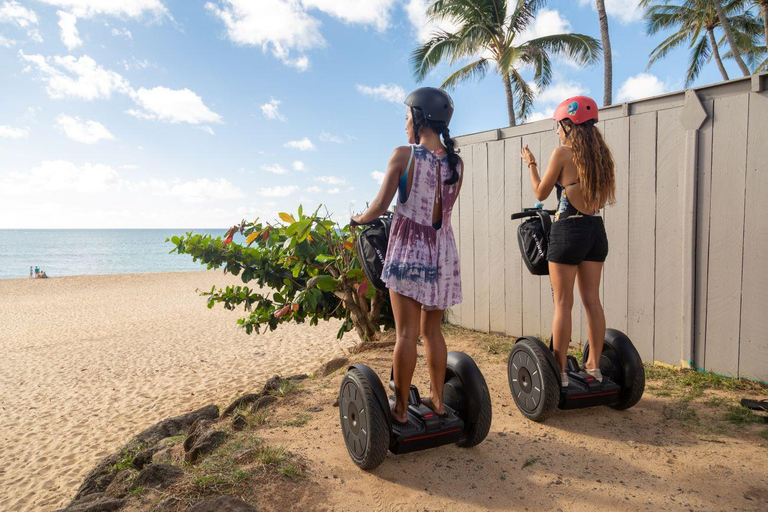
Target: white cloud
pixel 278 191
pixel 69 34
pixel 118 8
pixel 313 190
pixel 387 92
pixel 271 110
pixel 560 91
pixel 61 175
pixel 87 132
pixel 642 85
pixel 8 43
pixel 417 15
pixel 547 22
pixel 70 77
pixel 331 180
pixel 626 11
pixel 202 190
pixel 334 190
pixel 378 177
pixel 15 13
pixel 9 132
pixel 298 165
pixel 329 137
pixel 538 116
pixel 365 12
pixel 173 106
pixel 302 145
pixel 138 64
pixel 278 26
pixel 121 32
pixel 274 169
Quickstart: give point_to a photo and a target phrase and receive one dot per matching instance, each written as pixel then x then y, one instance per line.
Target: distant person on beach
pixel 31 272
pixel 37 272
pixel 582 171
pixel 421 268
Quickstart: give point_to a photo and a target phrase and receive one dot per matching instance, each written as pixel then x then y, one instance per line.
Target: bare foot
pixel 429 403
pixel 401 418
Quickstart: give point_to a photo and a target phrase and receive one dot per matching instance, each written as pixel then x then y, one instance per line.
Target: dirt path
pixel 664 454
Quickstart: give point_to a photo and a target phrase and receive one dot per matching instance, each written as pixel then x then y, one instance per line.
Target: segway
pixel 369 430
pixel 534 378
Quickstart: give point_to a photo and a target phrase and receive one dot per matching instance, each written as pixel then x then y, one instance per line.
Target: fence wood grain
pixel 467 254
pixel 729 161
pixel 513 263
pixel 617 225
pixel 481 241
pixel 496 222
pixel 753 348
pixel 642 232
pixel 670 154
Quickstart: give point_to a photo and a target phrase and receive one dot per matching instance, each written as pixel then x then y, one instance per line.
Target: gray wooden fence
pixel 686 276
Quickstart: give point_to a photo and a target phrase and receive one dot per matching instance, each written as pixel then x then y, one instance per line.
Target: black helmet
pixel 436 104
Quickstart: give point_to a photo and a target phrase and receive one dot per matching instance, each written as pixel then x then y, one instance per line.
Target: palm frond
pixel 475 70
pixel 665 47
pixel 442 46
pixel 579 48
pixel 523 93
pixel 700 55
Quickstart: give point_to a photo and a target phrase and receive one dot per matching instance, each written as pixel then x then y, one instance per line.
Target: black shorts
pixel 576 239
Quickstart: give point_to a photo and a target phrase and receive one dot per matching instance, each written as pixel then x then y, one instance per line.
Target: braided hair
pixel 420 121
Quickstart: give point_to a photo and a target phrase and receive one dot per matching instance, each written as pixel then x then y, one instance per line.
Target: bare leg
pixel 407 314
pixel 589 274
pixel 437 355
pixel 562 277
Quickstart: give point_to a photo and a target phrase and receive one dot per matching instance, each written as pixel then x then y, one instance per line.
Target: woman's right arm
pixel 395 169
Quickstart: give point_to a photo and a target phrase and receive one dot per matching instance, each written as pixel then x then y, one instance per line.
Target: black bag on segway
pixel 533 238
pixel 372 245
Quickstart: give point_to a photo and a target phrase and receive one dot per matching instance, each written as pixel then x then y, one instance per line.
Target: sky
pixel 191 114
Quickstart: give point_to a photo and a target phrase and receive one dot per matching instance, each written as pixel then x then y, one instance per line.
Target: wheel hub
pixel 525 381
pixel 354 419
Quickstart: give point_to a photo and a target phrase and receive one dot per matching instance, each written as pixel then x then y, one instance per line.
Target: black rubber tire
pixel 478 431
pixel 610 365
pixel 530 354
pixel 368 450
pixel 629 397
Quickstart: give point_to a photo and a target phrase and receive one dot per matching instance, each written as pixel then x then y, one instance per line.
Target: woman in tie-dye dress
pixel 421 268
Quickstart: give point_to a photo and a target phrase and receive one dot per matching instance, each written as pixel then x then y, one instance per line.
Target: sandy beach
pixel 87 362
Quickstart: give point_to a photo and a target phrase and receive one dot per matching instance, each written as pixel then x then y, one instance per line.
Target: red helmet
pixel 579 109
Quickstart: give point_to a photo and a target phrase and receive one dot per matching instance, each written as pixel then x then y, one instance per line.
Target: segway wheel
pixel 621 362
pixel 532 381
pixel 466 392
pixel 363 423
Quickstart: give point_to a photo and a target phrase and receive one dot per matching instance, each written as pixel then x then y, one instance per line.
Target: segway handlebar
pixel 531 212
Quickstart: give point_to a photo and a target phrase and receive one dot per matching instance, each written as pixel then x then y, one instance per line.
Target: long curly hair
pixel 594 163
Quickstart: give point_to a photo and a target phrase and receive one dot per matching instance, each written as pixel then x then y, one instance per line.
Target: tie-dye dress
pixel 422 262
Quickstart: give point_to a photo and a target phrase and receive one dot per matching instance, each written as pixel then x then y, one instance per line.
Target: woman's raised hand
pixel 526 155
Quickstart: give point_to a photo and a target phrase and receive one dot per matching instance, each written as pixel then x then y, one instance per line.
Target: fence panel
pixel 496 234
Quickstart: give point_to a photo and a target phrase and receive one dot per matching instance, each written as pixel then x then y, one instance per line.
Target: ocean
pixel 74 252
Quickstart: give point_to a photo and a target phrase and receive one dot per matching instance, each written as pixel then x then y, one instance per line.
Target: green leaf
pixel 324 258
pixel 286 217
pixel 355 273
pixel 325 283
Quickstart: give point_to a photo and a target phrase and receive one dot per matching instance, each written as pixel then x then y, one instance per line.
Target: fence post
pixel 692 117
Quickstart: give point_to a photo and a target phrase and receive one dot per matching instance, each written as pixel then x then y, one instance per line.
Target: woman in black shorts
pixel 582 170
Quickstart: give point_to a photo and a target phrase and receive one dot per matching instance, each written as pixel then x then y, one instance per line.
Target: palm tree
pixel 607 58
pixel 764 15
pixel 491 31
pixel 726 26
pixel 695 22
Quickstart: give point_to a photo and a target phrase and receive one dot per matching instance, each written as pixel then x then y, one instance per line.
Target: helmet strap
pixel 566 129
